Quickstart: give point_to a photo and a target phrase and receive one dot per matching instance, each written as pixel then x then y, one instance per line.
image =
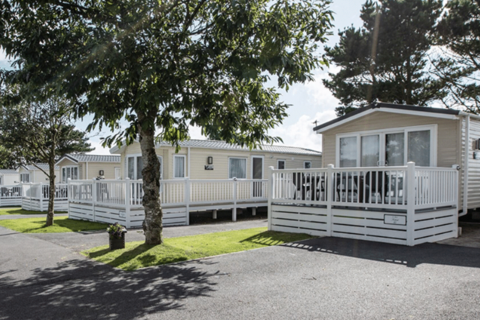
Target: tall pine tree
pixel 458 60
pixel 386 59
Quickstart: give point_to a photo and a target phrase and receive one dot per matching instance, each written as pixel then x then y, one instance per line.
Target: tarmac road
pixel 322 278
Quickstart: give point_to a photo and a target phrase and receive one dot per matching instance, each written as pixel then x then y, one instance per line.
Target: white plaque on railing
pixel 121 214
pixel 395 219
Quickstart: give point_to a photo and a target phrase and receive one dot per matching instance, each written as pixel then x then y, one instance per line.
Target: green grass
pixel 61 224
pixel 138 255
pixel 17 210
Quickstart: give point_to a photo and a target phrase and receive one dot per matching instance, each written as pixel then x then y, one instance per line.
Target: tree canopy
pixel 35 133
pixel 386 59
pixel 166 65
pixel 457 61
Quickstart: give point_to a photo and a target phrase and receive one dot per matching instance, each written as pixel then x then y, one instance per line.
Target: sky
pixel 308 102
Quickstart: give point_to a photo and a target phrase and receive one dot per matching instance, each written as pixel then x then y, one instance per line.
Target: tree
pixel 458 60
pixel 35 132
pixel 168 65
pixel 386 59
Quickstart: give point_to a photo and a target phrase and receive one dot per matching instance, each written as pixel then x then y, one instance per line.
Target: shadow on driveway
pixel 80 289
pixel 396 254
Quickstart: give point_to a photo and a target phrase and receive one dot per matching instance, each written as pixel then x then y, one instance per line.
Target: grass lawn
pixel 18 210
pixel 138 255
pixel 61 224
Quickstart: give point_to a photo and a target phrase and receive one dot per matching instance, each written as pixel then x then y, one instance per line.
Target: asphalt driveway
pixel 324 278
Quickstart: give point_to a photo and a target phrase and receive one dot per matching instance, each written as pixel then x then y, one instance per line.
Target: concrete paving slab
pixel 470 236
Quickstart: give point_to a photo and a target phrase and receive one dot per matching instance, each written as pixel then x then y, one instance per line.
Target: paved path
pixel 326 278
pixel 24 216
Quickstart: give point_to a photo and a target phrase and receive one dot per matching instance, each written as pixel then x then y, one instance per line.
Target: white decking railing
pixel 121 200
pixel 406 205
pixel 11 195
pixel 35 196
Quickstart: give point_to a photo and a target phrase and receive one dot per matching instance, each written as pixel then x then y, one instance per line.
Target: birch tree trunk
pixel 152 225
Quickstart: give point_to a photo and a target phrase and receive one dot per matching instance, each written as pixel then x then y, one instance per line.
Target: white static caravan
pixel 9 177
pixel 88 166
pixel 204 175
pixel 32 174
pixel 211 159
pixel 391 173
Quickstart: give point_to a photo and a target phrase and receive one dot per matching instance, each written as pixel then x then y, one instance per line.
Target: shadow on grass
pixel 273 238
pixel 79 289
pixel 139 256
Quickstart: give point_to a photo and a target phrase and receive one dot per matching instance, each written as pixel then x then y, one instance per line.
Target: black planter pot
pixel 117 243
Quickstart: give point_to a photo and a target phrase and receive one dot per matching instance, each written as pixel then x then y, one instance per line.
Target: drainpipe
pixel 86 170
pixel 465 167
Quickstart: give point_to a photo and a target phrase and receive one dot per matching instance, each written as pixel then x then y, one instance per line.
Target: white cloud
pixel 98 148
pixel 301 134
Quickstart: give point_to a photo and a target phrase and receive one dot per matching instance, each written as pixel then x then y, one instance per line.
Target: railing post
pixel 234 210
pixel 187 198
pixel 40 196
pixel 94 196
pixel 329 197
pixel 270 196
pixel 69 193
pixel 410 203
pixel 128 201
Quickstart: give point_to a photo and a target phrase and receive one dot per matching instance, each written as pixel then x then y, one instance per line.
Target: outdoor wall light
pixel 210 160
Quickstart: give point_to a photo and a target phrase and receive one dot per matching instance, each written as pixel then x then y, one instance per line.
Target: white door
pixel 117 173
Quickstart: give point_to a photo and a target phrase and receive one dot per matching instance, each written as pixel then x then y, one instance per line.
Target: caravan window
pixel 393 147
pixel 69 173
pixel 135 166
pixel 179 164
pixel 237 168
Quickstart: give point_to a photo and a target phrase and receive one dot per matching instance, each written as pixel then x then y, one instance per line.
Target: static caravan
pixel 32 174
pixel 204 175
pixel 391 135
pixel 210 159
pixel 390 173
pixel 89 166
pixel 9 177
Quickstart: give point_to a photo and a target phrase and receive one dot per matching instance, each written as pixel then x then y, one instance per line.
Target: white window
pixel 179 166
pixel 134 165
pixel 307 164
pixel 394 147
pixel 69 173
pixel 237 168
pixel 281 164
pixel 25 177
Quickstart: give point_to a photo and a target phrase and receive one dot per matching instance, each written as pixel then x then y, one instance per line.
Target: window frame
pixel 68 167
pixel 284 164
pixel 184 165
pixel 246 169
pixel 433 128
pixel 305 162
pixel 135 156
